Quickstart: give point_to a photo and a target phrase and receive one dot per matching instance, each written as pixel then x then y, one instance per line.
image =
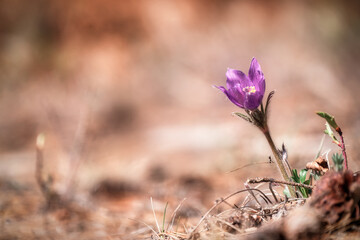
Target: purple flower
pixel 245 91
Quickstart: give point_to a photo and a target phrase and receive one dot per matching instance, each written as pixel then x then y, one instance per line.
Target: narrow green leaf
pixel 303 192
pixel 163 225
pixel 302 175
pixel 330 119
pixel 295 176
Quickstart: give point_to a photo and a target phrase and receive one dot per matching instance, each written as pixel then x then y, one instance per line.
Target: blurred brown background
pixel 123 89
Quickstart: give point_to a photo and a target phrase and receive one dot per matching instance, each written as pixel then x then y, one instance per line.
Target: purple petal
pixel 236 77
pixel 234 96
pixel 252 101
pixel 257 76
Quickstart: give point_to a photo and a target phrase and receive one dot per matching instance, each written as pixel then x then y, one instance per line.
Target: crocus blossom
pixel 245 91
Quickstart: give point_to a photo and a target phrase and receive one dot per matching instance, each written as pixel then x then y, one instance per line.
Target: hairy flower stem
pixel 279 162
pixel 342 145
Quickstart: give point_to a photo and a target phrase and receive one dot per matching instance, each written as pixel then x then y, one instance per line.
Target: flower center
pixel 249 90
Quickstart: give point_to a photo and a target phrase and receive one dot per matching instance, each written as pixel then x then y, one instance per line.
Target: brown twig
pixel 247 186
pixel 272 192
pixel 260 180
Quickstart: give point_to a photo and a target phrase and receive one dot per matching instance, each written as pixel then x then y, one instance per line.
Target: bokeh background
pixel 123 92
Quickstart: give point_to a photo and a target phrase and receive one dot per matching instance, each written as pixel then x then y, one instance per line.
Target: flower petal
pixel 237 95
pixel 252 101
pixel 236 77
pixel 257 76
pixel 234 96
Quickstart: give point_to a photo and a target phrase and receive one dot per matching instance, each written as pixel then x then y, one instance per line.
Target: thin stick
pixel 260 180
pixel 246 165
pixel 272 192
pixel 247 186
pixel 247 198
pixel 267 200
pixel 262 195
pixel 234 206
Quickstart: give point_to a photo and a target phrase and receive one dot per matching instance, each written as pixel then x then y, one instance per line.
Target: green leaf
pixel 330 119
pixel 303 192
pixel 303 175
pixel 295 176
pixel 243 116
pixel 329 132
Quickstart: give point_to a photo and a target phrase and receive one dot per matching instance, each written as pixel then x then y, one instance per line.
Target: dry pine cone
pixel 337 195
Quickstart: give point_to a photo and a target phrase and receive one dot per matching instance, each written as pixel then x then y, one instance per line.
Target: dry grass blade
pixel 169 227
pixel 221 201
pixel 153 210
pixel 147 225
pixel 76 151
pixel 272 192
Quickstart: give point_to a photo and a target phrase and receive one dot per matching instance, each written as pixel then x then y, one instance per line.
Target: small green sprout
pixel 338 160
pixel 331 123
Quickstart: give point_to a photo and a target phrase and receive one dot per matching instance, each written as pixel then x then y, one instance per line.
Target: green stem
pixel 279 162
